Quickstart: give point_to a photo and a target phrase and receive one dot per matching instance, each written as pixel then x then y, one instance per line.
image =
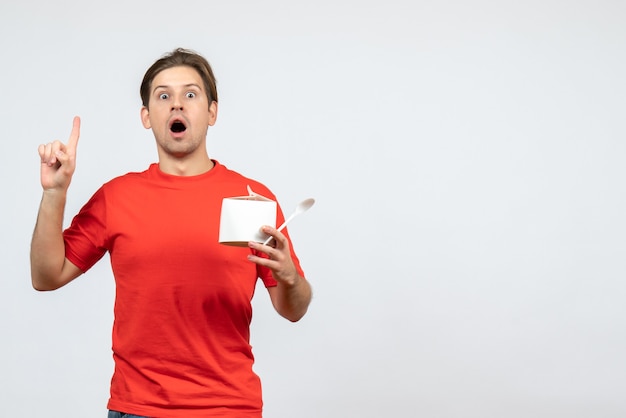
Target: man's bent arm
pixel 291 301
pixel 292 295
pixel 49 267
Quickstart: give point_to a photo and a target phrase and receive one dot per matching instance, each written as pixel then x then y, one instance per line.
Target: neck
pixel 183 167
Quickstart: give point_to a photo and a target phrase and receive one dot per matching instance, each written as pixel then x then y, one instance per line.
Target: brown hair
pixel 176 58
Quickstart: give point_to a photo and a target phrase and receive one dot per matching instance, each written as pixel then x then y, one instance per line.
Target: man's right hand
pixel 58 161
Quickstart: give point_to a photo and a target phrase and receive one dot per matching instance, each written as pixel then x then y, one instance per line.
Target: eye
pixel 164 96
pixel 191 95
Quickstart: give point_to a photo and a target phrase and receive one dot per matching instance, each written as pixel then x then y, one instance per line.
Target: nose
pixel 177 103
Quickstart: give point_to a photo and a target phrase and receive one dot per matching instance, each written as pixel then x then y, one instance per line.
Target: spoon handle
pixel 280 228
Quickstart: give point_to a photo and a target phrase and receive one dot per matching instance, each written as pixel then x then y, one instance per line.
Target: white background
pixel 467 157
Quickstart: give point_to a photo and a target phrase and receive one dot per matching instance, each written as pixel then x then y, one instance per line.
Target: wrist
pixel 53 199
pixel 55 192
pixel 293 281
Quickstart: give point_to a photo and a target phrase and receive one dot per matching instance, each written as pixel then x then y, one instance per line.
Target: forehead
pixel 177 77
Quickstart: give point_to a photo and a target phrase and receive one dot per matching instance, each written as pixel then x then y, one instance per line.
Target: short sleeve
pixel 85 238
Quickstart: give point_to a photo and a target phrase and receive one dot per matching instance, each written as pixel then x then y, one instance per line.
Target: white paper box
pixel 242 217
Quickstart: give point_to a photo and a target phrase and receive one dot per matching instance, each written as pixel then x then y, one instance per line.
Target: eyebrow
pixel 167 87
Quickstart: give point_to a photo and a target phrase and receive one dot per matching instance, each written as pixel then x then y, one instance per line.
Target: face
pixel 179 113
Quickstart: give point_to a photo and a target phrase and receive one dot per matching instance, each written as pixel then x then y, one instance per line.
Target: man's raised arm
pixel 49 267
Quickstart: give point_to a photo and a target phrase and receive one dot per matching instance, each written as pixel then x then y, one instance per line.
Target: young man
pixel 182 309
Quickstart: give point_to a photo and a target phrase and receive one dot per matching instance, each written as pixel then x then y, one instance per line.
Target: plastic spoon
pixel 301 208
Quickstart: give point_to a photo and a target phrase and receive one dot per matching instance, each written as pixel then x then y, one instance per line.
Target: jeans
pixel 115 414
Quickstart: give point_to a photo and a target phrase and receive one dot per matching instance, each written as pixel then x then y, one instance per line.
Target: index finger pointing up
pixel 72 143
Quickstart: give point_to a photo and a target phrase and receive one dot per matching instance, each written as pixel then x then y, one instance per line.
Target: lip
pixel 177 119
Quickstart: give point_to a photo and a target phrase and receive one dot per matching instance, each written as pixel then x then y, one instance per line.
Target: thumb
pixel 63 158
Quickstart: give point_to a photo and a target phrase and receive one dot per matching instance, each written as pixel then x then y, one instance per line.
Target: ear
pixel 212 113
pixel 145 117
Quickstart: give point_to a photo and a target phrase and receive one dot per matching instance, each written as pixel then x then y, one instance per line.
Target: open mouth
pixel 178 126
